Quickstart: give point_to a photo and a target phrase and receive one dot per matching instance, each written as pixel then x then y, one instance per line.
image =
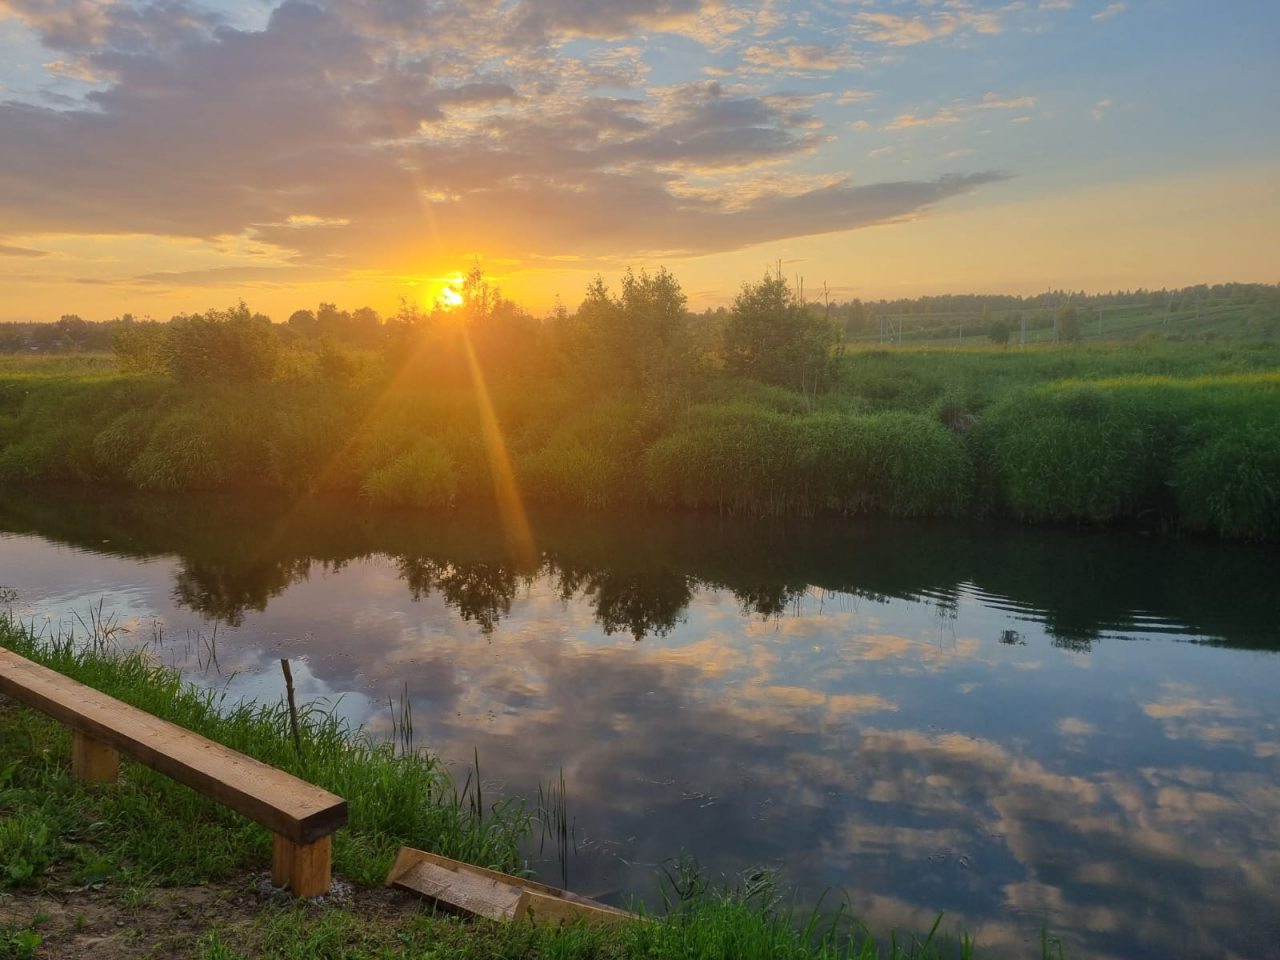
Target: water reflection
pixel 922 717
pixel 640 572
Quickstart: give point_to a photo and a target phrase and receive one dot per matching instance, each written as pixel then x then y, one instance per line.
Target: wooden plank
pixel 305 868
pixel 92 761
pixel 542 908
pixel 408 857
pixel 462 890
pixel 488 893
pixel 283 803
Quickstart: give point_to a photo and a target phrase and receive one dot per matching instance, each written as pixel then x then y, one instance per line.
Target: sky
pixel 172 156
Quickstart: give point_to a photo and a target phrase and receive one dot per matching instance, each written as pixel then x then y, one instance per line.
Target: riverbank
pixel 150 866
pixel 1176 436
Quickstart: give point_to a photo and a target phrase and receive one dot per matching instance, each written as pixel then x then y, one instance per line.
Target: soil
pixel 171 922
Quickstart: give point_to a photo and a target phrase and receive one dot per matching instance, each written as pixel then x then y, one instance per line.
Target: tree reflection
pixel 640 603
pixel 640 572
pixel 225 591
pixel 480 592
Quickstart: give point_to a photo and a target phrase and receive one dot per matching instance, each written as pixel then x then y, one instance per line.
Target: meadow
pixel 1176 436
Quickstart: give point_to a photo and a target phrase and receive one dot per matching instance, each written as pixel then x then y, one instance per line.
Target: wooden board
pixel 279 801
pixel 498 896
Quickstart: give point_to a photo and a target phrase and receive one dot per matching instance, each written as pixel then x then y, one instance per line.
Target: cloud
pixel 993 101
pixel 1100 108
pixel 946 116
pixel 854 96
pixel 792 57
pixel 1110 11
pixel 8 251
pixel 617 18
pixel 900 31
pixel 362 136
pixel 905 121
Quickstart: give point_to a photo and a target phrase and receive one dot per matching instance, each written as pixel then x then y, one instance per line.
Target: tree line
pixel 641 334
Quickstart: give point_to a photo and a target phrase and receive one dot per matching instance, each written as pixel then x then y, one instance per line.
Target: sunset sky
pixel 171 156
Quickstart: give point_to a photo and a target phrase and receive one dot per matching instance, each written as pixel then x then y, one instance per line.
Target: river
pixel 1017 727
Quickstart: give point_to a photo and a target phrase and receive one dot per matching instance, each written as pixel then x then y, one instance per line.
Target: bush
pixel 421 476
pixel 1231 483
pixel 229 345
pixel 905 464
pixel 1081 452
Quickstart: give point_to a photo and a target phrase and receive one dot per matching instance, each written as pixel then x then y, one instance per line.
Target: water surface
pixel 1015 727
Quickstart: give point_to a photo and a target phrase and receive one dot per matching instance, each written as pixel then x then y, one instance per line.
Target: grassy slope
pixel 114 852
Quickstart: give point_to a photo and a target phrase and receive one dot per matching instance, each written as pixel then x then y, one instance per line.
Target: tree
pixel 231 344
pixel 141 347
pixel 773 337
pixel 1069 323
pixel 641 338
pixel 999 332
pixel 71 331
pixel 303 322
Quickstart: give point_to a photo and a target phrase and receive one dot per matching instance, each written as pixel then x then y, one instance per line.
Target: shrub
pixel 1231 483
pixel 227 345
pixel 1081 452
pixel 421 476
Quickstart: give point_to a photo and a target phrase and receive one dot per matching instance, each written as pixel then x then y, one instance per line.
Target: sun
pixel 449 298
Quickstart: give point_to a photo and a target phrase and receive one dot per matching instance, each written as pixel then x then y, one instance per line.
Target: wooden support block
pixel 305 868
pixel 92 760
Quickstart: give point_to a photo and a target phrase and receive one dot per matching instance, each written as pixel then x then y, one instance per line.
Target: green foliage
pixel 589 460
pixel 28 843
pixel 1068 323
pixel 201 448
pixel 1076 453
pixel 1231 483
pixel 639 340
pixel 230 345
pixel 141 347
pixel 1167 433
pixel 743 458
pixel 421 476
pixel 903 464
pixel 18 944
pixel 771 336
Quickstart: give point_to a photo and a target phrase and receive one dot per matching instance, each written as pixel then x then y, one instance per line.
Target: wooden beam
pixel 278 800
pixel 93 761
pixel 305 868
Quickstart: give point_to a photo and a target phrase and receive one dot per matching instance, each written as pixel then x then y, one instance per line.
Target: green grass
pixel 1175 435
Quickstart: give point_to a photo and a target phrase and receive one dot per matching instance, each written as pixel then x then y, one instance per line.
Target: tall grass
pixel 747 459
pixel 1203 451
pixel 1174 435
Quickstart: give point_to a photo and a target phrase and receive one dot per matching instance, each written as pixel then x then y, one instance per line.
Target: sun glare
pixel 449 298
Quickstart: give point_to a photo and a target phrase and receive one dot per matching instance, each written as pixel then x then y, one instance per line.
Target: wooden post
pixel 92 761
pixel 302 867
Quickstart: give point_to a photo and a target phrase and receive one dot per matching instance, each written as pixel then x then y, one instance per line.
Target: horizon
pixel 165 159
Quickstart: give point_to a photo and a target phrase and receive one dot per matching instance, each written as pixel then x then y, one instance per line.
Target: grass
pixel 395 796
pixel 1175 435
pixel 133 841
